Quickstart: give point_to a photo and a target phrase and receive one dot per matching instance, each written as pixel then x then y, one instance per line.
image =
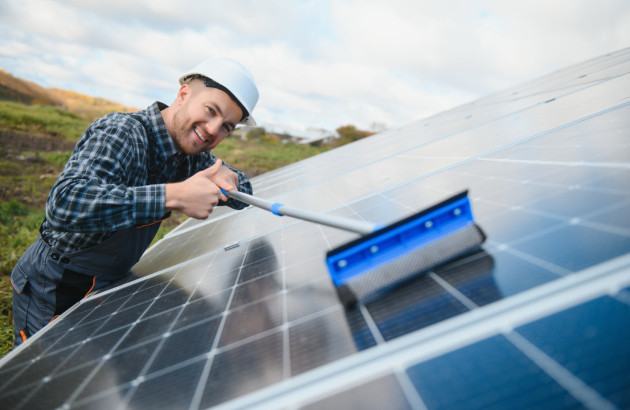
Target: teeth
pixel 199 135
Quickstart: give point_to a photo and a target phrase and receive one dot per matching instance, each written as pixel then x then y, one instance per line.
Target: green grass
pixel 29 181
pixel 41 120
pixel 55 158
pixel 6 319
pixel 19 227
pixel 261 156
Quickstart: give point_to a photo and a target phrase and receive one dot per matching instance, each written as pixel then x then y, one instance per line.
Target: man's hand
pixel 198 195
pixel 224 178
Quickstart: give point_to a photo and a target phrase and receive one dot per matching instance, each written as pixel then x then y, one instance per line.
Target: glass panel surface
pixel 242 303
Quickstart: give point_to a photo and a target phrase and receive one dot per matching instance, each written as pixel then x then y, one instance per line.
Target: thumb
pixel 211 171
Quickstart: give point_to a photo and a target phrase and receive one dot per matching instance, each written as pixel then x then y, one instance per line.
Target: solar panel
pixel 238 311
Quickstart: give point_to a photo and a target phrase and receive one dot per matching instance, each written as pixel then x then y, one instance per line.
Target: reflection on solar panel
pixel 238 311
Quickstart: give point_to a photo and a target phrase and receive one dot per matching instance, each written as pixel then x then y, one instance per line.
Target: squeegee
pixel 384 257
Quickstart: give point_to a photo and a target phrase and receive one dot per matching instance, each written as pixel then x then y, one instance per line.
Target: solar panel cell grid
pixel 491 373
pixel 538 365
pixel 241 305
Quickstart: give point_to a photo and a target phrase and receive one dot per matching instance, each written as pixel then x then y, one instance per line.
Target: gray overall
pixel 47 282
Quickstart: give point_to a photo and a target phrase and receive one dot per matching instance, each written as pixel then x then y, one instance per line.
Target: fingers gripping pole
pixel 347 224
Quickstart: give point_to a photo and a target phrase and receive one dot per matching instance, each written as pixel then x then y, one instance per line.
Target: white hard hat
pixel 233 78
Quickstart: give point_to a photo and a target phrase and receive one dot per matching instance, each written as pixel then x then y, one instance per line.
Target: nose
pixel 214 127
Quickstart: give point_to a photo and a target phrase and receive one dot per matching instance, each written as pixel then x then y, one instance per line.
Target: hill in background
pixel 26 92
pixel 18 90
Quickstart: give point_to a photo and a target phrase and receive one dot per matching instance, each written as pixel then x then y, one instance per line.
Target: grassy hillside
pixel 38 120
pixel 18 90
pixel 15 89
pixel 86 106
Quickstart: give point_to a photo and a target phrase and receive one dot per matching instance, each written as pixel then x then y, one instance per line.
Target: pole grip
pixel 346 224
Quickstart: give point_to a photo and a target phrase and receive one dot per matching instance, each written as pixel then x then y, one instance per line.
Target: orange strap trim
pixel 13 286
pixel 152 223
pixel 93 284
pixel 56 316
pixel 23 336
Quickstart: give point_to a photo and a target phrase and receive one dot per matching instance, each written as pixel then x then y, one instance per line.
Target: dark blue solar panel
pixel 242 304
pixel 581 248
pixel 488 374
pixel 589 341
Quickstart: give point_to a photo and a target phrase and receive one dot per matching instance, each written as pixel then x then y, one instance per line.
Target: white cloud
pixel 320 62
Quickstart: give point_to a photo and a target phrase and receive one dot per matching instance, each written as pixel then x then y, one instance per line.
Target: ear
pixel 183 93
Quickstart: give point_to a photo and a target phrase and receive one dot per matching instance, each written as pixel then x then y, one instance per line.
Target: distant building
pixel 312 135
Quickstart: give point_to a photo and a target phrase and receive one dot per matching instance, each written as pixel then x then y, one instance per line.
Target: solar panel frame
pixel 546 163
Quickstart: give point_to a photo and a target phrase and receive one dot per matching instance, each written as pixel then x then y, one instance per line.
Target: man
pixel 126 174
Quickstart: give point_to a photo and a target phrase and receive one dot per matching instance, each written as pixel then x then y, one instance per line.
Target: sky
pixel 317 63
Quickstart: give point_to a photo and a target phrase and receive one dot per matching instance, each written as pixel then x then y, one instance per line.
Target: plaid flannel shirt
pixel 116 179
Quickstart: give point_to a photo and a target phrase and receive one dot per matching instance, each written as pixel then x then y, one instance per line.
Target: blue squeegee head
pixel 406 248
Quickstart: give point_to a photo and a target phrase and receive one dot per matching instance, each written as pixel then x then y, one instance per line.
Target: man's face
pixel 203 118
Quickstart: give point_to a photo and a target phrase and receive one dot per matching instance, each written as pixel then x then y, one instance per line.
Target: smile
pixel 200 136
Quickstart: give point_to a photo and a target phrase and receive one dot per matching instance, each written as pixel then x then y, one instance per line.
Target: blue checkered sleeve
pixel 102 187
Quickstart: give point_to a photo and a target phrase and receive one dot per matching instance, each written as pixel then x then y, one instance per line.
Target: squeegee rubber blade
pixel 413 245
pixel 379 280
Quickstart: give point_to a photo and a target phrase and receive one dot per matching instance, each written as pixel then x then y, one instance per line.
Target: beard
pixel 185 136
